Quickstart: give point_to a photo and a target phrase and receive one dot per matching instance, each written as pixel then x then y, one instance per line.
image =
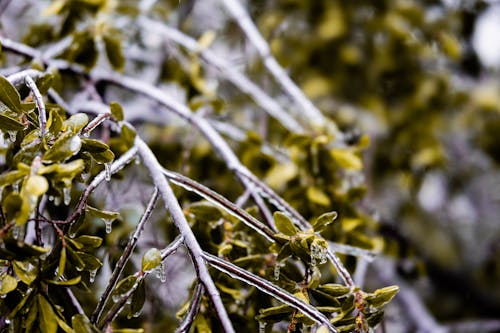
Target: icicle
pixel 51 198
pixel 107 169
pixel 15 188
pixel 108 224
pixel 277 269
pixel 57 201
pixel 92 275
pixel 12 136
pixel 163 273
pixel 137 160
pixel 115 298
pixel 318 252
pixel 18 232
pixel 67 195
pixel 262 326
pixel 86 134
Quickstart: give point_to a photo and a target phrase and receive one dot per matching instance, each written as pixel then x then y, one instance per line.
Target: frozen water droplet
pixel 107 169
pixel 86 134
pixel 318 252
pixel 12 135
pixel 75 144
pixel 92 275
pixel 129 301
pixel 163 273
pixel 137 314
pixel 137 160
pixel 67 195
pixel 115 298
pixel 277 269
pixel 262 326
pixel 15 187
pixel 51 198
pixel 108 224
pixel 57 201
pixel 72 235
pixel 18 232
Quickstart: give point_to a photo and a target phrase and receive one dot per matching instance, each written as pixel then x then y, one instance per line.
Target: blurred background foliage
pixel 415 177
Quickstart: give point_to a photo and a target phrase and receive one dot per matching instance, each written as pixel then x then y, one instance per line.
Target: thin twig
pixel 127 252
pixel 172 205
pixel 42 115
pixel 310 112
pixel 74 301
pixel 194 307
pixel 268 288
pixel 118 306
pixel 227 71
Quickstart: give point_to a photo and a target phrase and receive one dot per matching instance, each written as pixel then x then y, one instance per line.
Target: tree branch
pixel 268 288
pixel 127 252
pixel 42 116
pixel 194 307
pixel 226 71
pixel 172 205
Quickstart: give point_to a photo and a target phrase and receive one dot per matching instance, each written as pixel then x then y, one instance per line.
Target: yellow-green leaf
pixel 47 317
pixel 114 51
pixel 284 224
pixel 7 283
pixel 151 259
pixel 116 111
pixel 25 271
pixel 9 96
pixel 347 159
pixel 36 185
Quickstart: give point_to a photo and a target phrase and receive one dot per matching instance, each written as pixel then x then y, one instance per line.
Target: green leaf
pixel 12 177
pixel 323 221
pixel 9 95
pixel 335 290
pixel 347 159
pixel 66 146
pixel 275 314
pixel 128 135
pixel 31 317
pixel 138 299
pixel 91 262
pixel 116 111
pixel 70 282
pixel 76 122
pixel 75 259
pixel 81 324
pixel 64 326
pixel 62 262
pixel 284 224
pixel 103 214
pixel 86 242
pixel 36 185
pixel 151 259
pixel 47 317
pixel 114 51
pixel 26 271
pixel 7 283
pixel 94 146
pixel 318 196
pixel 124 286
pixel 9 124
pixel 55 121
pixel 205 211
pixel 382 296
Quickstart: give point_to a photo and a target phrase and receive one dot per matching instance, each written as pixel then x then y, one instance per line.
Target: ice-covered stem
pixel 127 252
pixel 116 166
pixel 202 124
pixel 240 15
pixel 172 205
pixel 40 104
pixel 194 307
pixel 226 71
pixel 118 306
pixel 268 288
pixel 220 201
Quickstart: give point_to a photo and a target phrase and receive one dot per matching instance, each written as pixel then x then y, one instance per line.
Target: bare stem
pixel 127 252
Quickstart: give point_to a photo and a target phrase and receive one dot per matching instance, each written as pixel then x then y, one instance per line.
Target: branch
pixel 194 307
pixel 220 201
pixel 268 288
pixel 227 71
pixel 42 116
pixel 127 252
pixel 172 206
pixel 310 112
pixel 118 306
